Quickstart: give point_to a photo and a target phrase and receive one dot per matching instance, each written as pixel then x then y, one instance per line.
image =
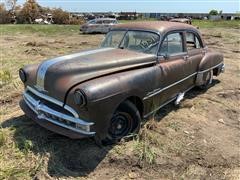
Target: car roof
pixel 159 26
pixel 180 19
pixel 102 19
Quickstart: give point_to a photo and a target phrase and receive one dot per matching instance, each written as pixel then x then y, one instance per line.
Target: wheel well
pixel 137 102
pixel 216 71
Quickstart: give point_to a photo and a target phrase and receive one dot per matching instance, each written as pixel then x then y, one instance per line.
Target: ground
pixel 200 139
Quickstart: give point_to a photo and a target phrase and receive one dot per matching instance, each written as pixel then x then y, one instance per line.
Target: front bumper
pixel 57 119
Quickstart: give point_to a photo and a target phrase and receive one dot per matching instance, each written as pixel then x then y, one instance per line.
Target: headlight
pixel 22 75
pixel 79 98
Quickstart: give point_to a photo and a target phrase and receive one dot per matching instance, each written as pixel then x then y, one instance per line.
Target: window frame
pixel 181 32
pixel 195 35
pixel 141 30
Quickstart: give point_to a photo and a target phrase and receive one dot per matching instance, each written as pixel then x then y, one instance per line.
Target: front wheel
pixel 125 121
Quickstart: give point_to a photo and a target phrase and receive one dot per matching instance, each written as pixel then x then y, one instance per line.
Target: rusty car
pixel 107 92
pixel 99 25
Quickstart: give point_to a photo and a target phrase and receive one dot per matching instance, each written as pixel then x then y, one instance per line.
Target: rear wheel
pixel 125 121
pixel 207 80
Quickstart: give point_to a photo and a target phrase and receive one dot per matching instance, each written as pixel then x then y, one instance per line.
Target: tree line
pixel 10 12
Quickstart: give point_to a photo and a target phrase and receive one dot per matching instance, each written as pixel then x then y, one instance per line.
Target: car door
pixel 106 26
pixel 98 26
pixel 195 50
pixel 173 68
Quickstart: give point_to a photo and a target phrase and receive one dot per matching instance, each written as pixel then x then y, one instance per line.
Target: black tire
pixel 207 79
pixel 125 121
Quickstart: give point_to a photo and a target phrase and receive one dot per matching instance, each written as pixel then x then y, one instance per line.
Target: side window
pixel 192 41
pixel 99 22
pixel 172 44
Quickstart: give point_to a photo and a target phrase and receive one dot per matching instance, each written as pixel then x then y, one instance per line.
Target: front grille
pixel 52 110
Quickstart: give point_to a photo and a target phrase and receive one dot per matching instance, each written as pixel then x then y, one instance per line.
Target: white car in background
pixel 100 25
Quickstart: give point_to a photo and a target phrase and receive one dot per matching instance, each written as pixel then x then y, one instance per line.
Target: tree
pixel 5 16
pixel 29 12
pixel 213 12
pixel 11 4
pixel 60 16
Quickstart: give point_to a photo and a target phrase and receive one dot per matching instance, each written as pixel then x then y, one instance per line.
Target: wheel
pixel 207 79
pixel 125 121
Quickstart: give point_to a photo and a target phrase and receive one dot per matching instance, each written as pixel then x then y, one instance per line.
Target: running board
pixel 180 97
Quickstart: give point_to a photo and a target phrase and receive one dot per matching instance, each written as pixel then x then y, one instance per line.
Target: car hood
pixel 57 76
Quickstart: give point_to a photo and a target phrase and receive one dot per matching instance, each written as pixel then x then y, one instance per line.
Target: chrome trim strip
pixel 210 68
pixel 48 98
pixel 159 107
pixel 164 104
pixel 39 109
pixel 46 64
pixel 157 91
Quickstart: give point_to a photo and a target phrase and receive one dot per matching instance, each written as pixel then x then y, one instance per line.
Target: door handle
pixel 185 57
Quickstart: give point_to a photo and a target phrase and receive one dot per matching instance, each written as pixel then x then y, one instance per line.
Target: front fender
pixel 104 94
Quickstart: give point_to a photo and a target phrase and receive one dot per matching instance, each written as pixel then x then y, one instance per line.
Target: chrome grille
pixel 49 109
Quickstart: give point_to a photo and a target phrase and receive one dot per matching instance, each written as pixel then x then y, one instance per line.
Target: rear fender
pixel 211 61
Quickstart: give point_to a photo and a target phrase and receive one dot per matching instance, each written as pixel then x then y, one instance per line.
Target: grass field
pixel 198 140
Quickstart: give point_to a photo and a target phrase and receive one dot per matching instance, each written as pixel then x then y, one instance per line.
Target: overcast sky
pixel 175 6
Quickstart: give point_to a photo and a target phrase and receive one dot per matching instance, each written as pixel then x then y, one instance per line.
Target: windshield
pixel 140 41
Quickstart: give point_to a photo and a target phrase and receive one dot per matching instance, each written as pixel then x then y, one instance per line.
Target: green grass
pixel 50 30
pixel 39 29
pixel 216 24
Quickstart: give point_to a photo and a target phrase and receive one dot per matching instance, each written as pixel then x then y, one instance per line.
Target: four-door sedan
pixel 107 92
pixel 100 25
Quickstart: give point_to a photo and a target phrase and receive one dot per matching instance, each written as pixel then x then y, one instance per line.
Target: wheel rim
pixel 121 125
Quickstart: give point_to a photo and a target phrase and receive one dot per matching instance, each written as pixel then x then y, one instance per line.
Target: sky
pixel 170 6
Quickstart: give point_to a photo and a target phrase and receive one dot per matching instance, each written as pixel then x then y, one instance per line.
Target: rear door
pixel 195 50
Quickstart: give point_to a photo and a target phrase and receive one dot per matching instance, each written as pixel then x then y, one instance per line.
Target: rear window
pixel 192 41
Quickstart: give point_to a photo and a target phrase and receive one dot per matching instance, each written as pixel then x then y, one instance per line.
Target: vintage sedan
pixel 100 25
pixel 107 92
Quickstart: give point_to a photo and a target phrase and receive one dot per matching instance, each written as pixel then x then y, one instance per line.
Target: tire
pixel 124 122
pixel 207 79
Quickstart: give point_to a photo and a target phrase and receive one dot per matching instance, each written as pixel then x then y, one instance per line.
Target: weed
pixel 144 151
pixel 144 146
pixel 174 125
pixel 25 145
pixel 5 77
pixel 2 138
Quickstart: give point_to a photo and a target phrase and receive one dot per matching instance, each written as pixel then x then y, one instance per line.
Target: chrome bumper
pixel 222 68
pixel 44 112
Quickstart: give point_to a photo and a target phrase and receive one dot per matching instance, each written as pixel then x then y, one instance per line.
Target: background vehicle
pixel 100 25
pixel 181 20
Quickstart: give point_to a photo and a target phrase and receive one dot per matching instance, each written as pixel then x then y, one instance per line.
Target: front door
pixel 174 73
